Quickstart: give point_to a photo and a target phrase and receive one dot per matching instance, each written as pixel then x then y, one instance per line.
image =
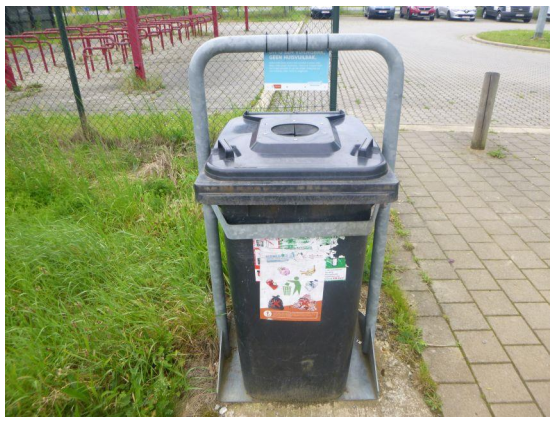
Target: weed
pixel 358 102
pixel 498 152
pixel 133 84
pixel 25 91
pixel 408 246
pixel 426 278
pixel 429 388
pixel 403 322
pixel 400 230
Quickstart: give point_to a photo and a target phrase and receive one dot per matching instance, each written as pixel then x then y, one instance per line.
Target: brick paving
pixel 479 227
pixel 444 70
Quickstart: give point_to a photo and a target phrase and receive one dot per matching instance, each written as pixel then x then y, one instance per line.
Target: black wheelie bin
pixel 297 195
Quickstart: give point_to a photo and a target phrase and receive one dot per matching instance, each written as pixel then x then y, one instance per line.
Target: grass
pixel 402 322
pixel 517 37
pixel 107 279
pixel 133 84
pixel 498 153
pixel 20 92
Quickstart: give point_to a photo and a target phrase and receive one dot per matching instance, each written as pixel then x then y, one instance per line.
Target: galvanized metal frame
pixel 263 43
pixel 292 230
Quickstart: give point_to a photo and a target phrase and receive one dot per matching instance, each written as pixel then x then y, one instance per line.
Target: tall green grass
pixel 107 278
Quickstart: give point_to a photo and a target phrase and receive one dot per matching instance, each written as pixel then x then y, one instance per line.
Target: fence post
pixel 10 77
pixel 190 10
pixel 64 16
pixel 541 22
pixel 215 21
pixel 334 60
pixel 485 111
pixel 131 14
pixel 246 18
pixel 72 72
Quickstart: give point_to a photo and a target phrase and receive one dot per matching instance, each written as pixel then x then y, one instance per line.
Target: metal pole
pixel 247 18
pixel 72 72
pixel 485 111
pixel 120 13
pixel 10 77
pixel 318 42
pixel 64 16
pixel 542 17
pixel 334 60
pixel 97 13
pixel 215 21
pixel 131 14
pixel 190 10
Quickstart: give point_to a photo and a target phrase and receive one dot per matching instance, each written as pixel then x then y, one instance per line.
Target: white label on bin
pixel 292 272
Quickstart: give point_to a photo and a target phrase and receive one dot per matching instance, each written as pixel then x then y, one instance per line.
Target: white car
pixel 456 12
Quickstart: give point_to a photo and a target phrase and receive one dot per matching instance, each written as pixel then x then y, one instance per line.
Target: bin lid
pixel 285 146
pixel 296 158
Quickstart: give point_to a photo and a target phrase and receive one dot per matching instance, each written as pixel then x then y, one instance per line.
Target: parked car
pixel 321 12
pixel 456 12
pixel 417 12
pixel 388 12
pixel 508 13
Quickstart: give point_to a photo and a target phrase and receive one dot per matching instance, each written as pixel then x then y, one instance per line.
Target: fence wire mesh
pixel 114 97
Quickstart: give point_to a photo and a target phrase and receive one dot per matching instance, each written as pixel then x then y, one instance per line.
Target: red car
pixel 417 12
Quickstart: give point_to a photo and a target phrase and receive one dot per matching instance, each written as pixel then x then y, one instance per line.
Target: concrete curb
pixel 464 129
pixel 502 44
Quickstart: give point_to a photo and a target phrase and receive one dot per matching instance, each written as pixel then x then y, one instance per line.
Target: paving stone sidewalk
pixel 479 229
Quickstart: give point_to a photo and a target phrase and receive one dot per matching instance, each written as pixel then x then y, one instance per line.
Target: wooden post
pixel 485 111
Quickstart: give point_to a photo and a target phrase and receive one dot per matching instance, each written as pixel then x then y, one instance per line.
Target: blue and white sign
pixel 296 71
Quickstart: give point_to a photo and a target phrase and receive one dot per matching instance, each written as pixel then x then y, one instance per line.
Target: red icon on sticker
pixel 277 86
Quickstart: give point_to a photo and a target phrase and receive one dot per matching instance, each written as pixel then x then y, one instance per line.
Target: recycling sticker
pixel 292 273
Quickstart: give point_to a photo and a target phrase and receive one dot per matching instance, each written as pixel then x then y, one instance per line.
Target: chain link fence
pixel 116 101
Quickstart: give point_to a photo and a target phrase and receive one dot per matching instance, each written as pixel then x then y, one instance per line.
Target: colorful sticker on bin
pixel 292 273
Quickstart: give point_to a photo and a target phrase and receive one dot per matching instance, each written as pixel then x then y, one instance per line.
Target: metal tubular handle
pixel 303 42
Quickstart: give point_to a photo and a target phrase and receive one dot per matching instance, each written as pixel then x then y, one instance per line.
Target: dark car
pixel 385 12
pixel 417 12
pixel 508 13
pixel 321 12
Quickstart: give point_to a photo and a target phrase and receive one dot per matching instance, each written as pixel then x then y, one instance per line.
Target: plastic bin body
pixel 295 361
pixel 284 169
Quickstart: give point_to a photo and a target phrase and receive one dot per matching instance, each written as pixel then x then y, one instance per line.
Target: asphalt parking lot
pixel 444 70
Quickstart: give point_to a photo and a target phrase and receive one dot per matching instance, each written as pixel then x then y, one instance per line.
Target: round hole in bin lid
pixel 295 130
